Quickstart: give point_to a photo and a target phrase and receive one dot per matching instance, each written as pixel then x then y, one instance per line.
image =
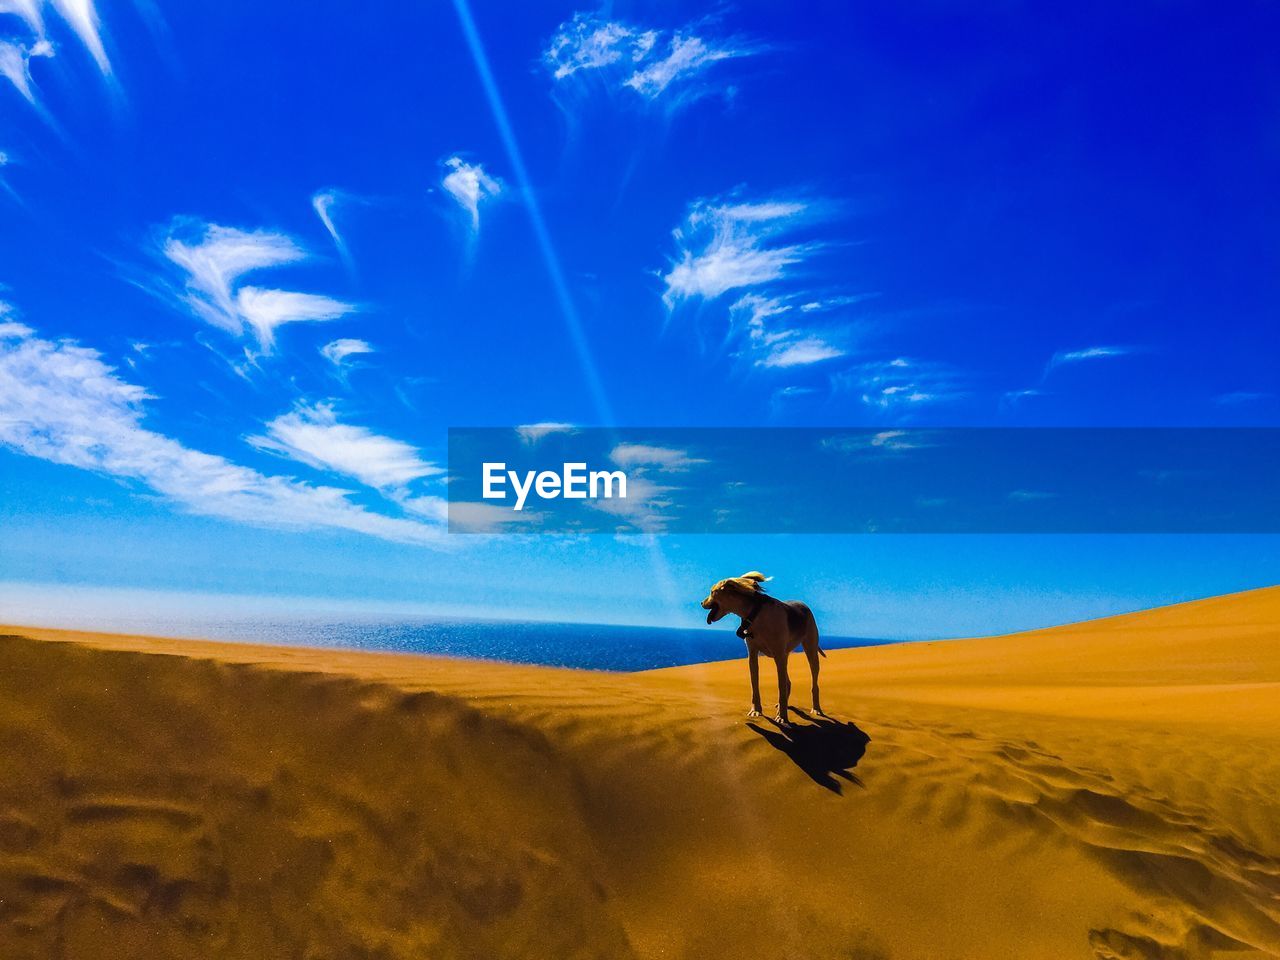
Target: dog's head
pixel 725 595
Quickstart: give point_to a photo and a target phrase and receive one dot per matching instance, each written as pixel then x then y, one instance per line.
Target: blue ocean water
pixel 587 646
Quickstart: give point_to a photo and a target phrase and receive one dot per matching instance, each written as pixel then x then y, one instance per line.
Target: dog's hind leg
pixel 811 653
pixel 753 665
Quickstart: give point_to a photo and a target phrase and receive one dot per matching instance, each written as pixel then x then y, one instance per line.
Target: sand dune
pixel 1105 790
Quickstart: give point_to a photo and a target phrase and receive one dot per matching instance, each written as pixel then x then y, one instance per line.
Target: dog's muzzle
pixel 713 612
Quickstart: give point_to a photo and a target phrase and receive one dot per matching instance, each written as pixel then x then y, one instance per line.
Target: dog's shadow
pixel 820 746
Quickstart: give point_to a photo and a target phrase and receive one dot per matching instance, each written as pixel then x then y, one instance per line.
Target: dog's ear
pixel 752 580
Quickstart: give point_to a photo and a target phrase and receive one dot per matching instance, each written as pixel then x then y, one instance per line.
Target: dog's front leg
pixel 753 665
pixel 784 691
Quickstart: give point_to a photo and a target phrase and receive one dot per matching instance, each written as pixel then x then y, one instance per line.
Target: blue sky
pixel 256 263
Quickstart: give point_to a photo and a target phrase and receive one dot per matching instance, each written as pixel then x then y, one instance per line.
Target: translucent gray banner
pixel 554 478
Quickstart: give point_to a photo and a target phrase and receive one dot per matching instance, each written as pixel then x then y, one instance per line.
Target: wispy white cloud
pixel 791 393
pixel 29 11
pixel 729 246
pixel 897 440
pixel 882 443
pixel 1088 353
pixel 83 19
pixel 470 186
pixel 649 62
pixel 215 257
pixel 645 507
pixel 772 341
pixel 140 352
pixel 12 330
pixel 533 432
pixel 430 507
pixel 647 455
pixel 6 160
pixel 470 516
pixel 311 434
pixel 264 310
pixel 1011 399
pixel 686 56
pixel 799 352
pixel 751 313
pixel 1014 397
pixel 591 43
pixel 15 64
pixel 60 402
pixel 323 202
pixel 17 48
pixel 336 351
pixel 900 384
pixel 835 302
pixel 485 517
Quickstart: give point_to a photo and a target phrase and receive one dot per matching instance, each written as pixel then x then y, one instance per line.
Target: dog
pixel 769 626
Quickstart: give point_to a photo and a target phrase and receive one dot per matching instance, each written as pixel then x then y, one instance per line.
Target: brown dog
pixel 769 626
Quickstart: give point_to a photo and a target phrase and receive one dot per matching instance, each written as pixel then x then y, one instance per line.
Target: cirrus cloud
pixel 31 40
pixel 649 62
pixel 336 351
pixel 470 186
pixel 311 434
pixel 1087 353
pixel 799 351
pixel 900 385
pixel 723 246
pixel 213 258
pixel 531 433
pixel 60 402
pixel 648 455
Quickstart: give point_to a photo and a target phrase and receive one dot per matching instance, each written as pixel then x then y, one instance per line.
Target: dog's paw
pixel 753 712
pixel 782 721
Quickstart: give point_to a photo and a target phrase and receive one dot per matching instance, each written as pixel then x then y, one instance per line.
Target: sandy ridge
pixel 1097 790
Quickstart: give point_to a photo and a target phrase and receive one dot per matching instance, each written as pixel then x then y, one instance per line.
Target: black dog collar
pixel 745 627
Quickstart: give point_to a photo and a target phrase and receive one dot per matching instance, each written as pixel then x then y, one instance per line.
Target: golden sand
pixel 1108 789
